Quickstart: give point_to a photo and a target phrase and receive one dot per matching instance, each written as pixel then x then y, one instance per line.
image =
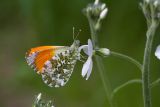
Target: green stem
pixel 146 65
pixel 99 62
pixel 124 85
pixel 116 54
pixel 155 83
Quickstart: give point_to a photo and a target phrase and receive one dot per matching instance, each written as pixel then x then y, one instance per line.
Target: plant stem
pixel 155 83
pixel 146 64
pixel 124 85
pixel 127 58
pixel 100 65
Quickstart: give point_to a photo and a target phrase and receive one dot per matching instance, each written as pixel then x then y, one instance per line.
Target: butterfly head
pixel 75 44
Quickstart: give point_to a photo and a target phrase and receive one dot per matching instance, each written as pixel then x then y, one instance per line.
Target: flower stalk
pixel 116 90
pixel 146 65
pixel 151 12
pixel 128 58
pixel 95 13
pixel 104 52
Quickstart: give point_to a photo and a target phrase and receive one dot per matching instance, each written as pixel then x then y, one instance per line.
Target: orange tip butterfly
pixel 54 63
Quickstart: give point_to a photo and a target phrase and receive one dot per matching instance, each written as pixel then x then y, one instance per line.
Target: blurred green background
pixel 29 23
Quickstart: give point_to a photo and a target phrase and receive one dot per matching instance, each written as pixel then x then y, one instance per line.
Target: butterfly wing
pixel 59 69
pixel 36 57
pixel 55 64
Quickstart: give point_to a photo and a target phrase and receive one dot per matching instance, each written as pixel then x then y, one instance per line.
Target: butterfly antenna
pixel 78 34
pixel 73 34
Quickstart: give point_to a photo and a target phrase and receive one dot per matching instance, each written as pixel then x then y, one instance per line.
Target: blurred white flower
pixel 87 66
pixel 103 13
pixel 39 102
pixel 39 97
pixel 96 2
pixel 157 53
pixel 147 1
pixel 156 3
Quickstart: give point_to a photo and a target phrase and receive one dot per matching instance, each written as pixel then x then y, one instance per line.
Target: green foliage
pixel 29 23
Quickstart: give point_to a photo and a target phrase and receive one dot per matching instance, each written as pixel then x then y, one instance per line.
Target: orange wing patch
pixel 42 57
pixel 41 48
pixel 37 57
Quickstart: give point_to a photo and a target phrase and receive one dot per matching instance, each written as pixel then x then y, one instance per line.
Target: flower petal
pixel 90 47
pixel 86 66
pixel 85 49
pixel 157 53
pixel 90 69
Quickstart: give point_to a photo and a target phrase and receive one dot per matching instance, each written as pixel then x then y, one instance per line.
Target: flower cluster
pixel 96 12
pixel 39 102
pixel 151 9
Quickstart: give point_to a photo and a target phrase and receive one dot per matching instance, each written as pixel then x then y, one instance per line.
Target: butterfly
pixel 54 63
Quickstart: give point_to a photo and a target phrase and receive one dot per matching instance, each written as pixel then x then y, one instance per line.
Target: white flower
pixel 87 66
pixel 157 53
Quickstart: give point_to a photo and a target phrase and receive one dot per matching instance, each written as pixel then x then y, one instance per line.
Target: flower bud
pixel 147 1
pixel 103 52
pixel 103 6
pixel 39 102
pixel 157 53
pixel 39 97
pixel 155 3
pixel 103 13
pixel 96 2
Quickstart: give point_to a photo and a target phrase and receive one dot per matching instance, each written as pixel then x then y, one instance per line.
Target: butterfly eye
pixel 77 42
